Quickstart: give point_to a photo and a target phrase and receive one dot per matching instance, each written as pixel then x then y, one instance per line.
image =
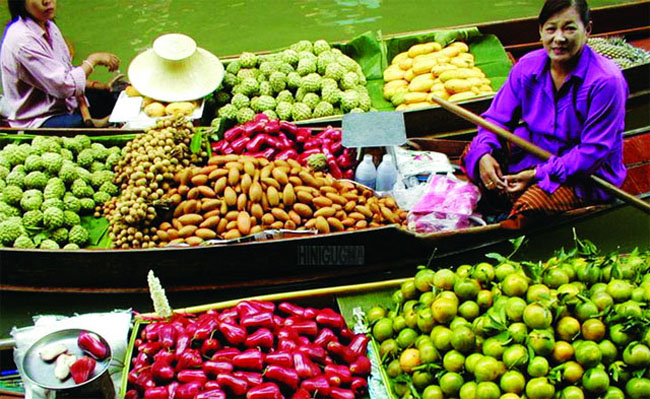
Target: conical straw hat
pixel 175 69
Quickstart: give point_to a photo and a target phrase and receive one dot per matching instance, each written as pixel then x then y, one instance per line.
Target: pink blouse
pixel 38 78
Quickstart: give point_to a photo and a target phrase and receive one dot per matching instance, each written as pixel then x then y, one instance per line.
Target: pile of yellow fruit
pixel 428 69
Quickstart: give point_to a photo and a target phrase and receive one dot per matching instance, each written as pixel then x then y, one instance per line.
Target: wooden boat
pixel 359 254
pixel 306 259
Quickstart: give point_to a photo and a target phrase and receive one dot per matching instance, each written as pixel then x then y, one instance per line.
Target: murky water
pixel 127 27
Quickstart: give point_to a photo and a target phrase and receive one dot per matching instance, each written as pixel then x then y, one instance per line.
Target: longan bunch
pixel 145 173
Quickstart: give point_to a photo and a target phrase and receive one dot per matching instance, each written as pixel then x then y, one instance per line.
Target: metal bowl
pixel 41 372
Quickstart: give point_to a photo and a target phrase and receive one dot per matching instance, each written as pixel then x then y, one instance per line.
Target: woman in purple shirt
pixel 566 99
pixel 40 84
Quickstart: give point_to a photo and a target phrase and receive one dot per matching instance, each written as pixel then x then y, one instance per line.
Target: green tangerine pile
pixel 47 184
pixel 307 80
pixel 574 327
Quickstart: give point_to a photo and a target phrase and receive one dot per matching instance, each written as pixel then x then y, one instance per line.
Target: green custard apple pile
pixel 47 184
pixel 573 327
pixel 307 80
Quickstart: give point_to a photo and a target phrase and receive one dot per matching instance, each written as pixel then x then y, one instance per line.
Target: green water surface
pixel 128 27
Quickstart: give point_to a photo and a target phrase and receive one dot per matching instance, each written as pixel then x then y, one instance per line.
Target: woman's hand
pixel 108 60
pixel 490 173
pixel 520 181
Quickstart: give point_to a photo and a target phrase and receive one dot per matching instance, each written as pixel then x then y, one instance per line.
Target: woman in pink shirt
pixel 41 86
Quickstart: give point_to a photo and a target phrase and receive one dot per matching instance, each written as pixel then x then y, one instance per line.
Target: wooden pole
pixel 537 151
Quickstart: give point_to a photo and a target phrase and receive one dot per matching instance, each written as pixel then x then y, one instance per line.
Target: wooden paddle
pixel 537 151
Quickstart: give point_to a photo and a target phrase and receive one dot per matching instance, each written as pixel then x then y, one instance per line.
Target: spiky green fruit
pixel 83 140
pixel 228 111
pixel 33 219
pixel 323 109
pixel 34 162
pixel 15 154
pixel 109 188
pixel 283 109
pixel 87 205
pixel 284 96
pixel 31 200
pixel 311 82
pixel 349 81
pixel 311 99
pixel 222 97
pixel 4 171
pixel 9 210
pixel 49 244
pixel 52 218
pixel 230 80
pixel 302 45
pixel 266 89
pixel 293 80
pixel 290 57
pixel 349 100
pixel 71 203
pixel 101 197
pixel 16 178
pixel 320 46
pixel 71 246
pixel 300 111
pixel 278 81
pixel 12 194
pixel 233 67
pixel 36 180
pixel 100 177
pixel 335 71
pixel 52 162
pixel 85 158
pixel 266 103
pixel 331 94
pixel 240 101
pixel 24 242
pixel 245 114
pixel 67 155
pixel 70 218
pixel 247 73
pixel 317 162
pixel 248 60
pixel 365 103
pixel 249 86
pixel 324 59
pixel 52 203
pixel 10 230
pixel 78 235
pixel 72 145
pixel 60 235
pixel 306 66
pixel 271 114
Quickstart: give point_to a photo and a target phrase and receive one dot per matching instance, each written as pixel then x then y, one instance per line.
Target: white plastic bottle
pixel 366 172
pixel 386 174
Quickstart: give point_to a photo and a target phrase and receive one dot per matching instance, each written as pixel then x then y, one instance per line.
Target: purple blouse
pixel 581 124
pixel 38 79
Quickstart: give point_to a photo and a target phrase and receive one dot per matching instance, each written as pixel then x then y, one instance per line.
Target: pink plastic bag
pixel 447 204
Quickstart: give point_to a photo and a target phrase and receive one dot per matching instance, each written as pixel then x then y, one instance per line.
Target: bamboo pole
pixel 537 151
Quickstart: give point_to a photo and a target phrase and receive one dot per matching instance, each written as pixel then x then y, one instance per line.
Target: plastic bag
pixel 447 204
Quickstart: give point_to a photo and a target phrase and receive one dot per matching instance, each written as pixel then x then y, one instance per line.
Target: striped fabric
pixel 534 199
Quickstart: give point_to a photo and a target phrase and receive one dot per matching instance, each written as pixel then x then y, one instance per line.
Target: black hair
pixel 17 9
pixel 552 7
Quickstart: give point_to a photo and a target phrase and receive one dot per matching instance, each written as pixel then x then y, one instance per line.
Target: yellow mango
pixel 415 97
pixel 409 75
pixel 421 104
pixel 439 69
pixel 486 81
pixel 393 72
pixel 466 56
pixel 423 66
pixel 462 47
pixel 462 96
pixel 132 91
pixel 478 71
pixel 185 108
pixel 406 63
pixel 401 107
pixel 485 89
pixel 154 110
pixel 450 51
pixel 390 88
pixel 421 83
pixel 474 81
pixel 399 57
pixel 438 93
pixel 457 86
pixel 459 73
pixel 423 48
pixel 438 87
pixel 461 63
